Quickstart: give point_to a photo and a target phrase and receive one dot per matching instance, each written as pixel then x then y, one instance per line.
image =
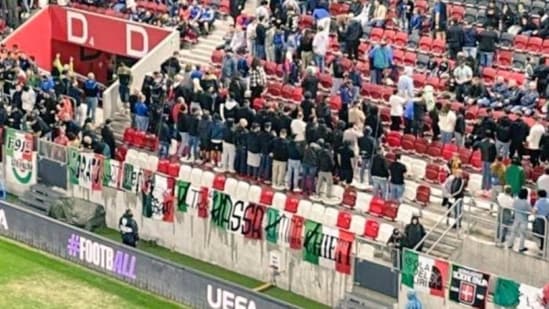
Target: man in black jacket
pixel 457 192
pixel 171 66
pixel 228 148
pixel 240 142
pixel 253 159
pixel 128 229
pixel 520 132
pixel 503 135
pixel 366 145
pixel 352 38
pixel 266 148
pixel 108 137
pixel 454 39
pixel 280 159
pixel 325 169
pixel 488 154
pixel 380 174
pixel 487 40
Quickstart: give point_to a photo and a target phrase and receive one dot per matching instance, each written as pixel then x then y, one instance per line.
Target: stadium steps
pixel 200 53
pixel 40 198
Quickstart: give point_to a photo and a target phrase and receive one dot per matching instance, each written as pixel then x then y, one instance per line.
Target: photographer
pixel 128 229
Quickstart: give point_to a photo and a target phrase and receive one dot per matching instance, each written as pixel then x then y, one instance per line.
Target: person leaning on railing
pixel 522 209
pixel 541 210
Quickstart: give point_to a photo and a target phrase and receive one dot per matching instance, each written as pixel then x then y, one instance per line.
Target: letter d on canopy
pixel 72 18
pixel 130 50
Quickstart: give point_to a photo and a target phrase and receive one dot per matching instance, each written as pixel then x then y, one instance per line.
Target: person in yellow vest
pixel 59 67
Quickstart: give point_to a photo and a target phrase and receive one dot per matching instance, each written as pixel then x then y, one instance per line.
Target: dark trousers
pixel 352 49
pixel 516 148
pixel 395 123
pixel 408 126
pixel 534 157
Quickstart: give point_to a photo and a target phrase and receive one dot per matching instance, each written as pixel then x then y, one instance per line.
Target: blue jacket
pixel 228 68
pixel 346 95
pixel 141 109
pixel 470 37
pixel 207 15
pixel 529 98
pixel 91 89
pixel 415 22
pixel 409 110
pixel 413 301
pixel 320 13
pixel 216 132
pixel 47 84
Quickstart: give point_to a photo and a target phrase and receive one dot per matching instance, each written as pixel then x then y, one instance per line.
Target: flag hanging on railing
pixel 20 160
pixel 85 169
pixel 512 294
pixel 469 286
pixel 424 274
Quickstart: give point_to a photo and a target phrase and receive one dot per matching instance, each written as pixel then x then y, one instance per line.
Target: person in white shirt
pixel 505 202
pixel 28 98
pixel 298 127
pixel 320 47
pixel 250 36
pixel 543 181
pixel 238 40
pixel 263 10
pixel 447 124
pixel 405 83
pixel 397 102
pixel 463 75
pixel 533 140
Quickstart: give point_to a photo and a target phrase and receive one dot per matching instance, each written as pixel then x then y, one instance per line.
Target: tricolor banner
pixel 85 169
pixel 424 274
pixel 20 164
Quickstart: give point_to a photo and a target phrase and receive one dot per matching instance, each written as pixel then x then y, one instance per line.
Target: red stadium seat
pixel 335 102
pixel 434 150
pixel 274 89
pixel 545 47
pixel 173 169
pixel 408 142
pixel 139 140
pixel 349 197
pixel 438 46
pixel 384 112
pixel 163 166
pixel 394 139
pixel 504 58
pixel 489 75
pixel 448 151
pixel 266 197
pixel 120 152
pixel 376 34
pixel 371 229
pixel 398 56
pixel 410 59
pixel 401 39
pixel 377 206
pixel 363 48
pixel 325 80
pixel 390 210
pixel 421 146
pixel 344 220
pixel 151 142
pixel 422 6
pixel 536 172
pixel 476 161
pixel 270 68
pixel 306 21
pixel 258 103
pixel 465 156
pixel 419 80
pixel 217 57
pixel 534 44
pixel 434 81
pixel 129 136
pixel 337 8
pixel 292 202
pixel 432 172
pixel 423 195
pixel 389 36
pixel 219 182
pixel 425 43
pixel 520 42
pixel 457 12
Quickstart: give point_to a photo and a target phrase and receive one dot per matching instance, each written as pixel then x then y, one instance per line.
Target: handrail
pixel 501 226
pixel 444 217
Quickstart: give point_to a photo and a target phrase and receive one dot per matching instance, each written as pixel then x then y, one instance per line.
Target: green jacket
pixel 514 177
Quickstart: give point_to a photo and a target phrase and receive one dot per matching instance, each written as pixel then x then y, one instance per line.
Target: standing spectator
pixel 522 210
pixel 457 192
pixel 320 47
pixel 469 40
pixel 488 154
pixel 408 116
pixel 520 131
pixel 253 146
pixel 205 126
pixel 397 171
pixel 240 142
pixel 420 109
pixel 164 138
pixel 542 183
pixel 405 85
pixel 505 202
pixel 216 140
pixel 463 75
pixel 260 38
pixel 194 140
pixel 380 175
pixel 380 14
pixel 338 73
pixel 310 167
pixel 258 79
pixel 459 130
pixel 280 159
pixel 321 14
pixel 108 136
pixel 228 148
pixel 295 155
pixel 541 210
pixel 439 20
pixel 366 145
pixel 414 233
pixel 533 140
pixel 228 68
pixel 141 115
pixel 381 59
pixel 447 124
pixel 125 80
pixel 352 38
pixel 298 127
pixel 503 135
pixel 487 40
pixel 310 82
pixel 305 48
pixel 266 138
pixel 91 92
pixel 356 116
pixel 455 39
pixel 235 7
pixel 325 170
pixel 345 157
pixel 498 177
pixel 514 176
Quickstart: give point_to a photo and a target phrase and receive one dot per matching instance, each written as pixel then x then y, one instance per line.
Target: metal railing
pixel 506 225
pixel 444 218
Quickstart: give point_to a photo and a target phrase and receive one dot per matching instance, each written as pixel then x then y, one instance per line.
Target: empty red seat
pixel 520 42
pixel 266 197
pixel 335 102
pixel 448 151
pixel 219 182
pixel 489 75
pixel 410 59
pixel 394 139
pixel 376 206
pixel 390 210
pixel 129 136
pixel 139 139
pixel 545 47
pixel 363 47
pixel 349 197
pixel 457 12
pixel 269 67
pixel 325 80
pixel 536 173
pixel 120 152
pixel 163 166
pixel 504 58
pixel 425 43
pixel 398 56
pixel 432 172
pixel 258 103
pixel 465 156
pixel 292 202
pixel 151 142
pixel 344 220
pixel 371 229
pixel 421 146
pixel 376 34
pixel 306 21
pixel 534 44
pixel 438 46
pixel 401 39
pixel 338 8
pixel 173 169
pixel 274 89
pixel 389 36
pixel 419 80
pixel 476 161
pixel 408 142
pixel 434 150
pixel 423 195
pixel 434 81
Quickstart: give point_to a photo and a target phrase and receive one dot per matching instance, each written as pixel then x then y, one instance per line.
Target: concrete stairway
pixel 40 198
pixel 200 54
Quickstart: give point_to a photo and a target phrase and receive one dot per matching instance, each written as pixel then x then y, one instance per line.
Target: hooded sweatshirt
pixel 413 301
